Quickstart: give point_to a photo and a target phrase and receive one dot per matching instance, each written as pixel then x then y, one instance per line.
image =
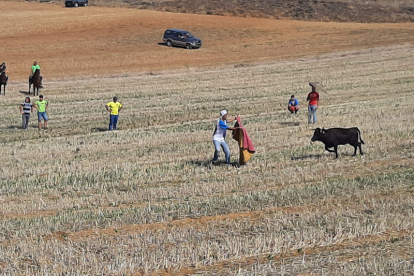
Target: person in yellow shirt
pixel 113 108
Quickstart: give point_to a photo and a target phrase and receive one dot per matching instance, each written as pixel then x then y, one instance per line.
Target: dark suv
pixel 181 38
pixel 76 3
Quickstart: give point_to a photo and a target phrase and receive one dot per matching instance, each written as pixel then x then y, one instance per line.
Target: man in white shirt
pixel 219 137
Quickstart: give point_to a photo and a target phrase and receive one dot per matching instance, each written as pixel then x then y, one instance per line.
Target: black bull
pixel 333 137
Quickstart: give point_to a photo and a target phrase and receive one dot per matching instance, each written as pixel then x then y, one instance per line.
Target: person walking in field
pixel 113 108
pixel 293 105
pixel 219 137
pixel 41 105
pixel 25 109
pixel 313 99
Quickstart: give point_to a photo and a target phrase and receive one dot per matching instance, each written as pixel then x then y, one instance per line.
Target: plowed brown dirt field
pixel 98 40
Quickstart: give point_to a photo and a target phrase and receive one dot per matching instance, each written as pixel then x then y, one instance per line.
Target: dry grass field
pixel 145 200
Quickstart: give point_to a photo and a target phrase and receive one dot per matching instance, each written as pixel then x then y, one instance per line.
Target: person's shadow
pixel 13 127
pixel 99 129
pixel 210 165
pixel 289 123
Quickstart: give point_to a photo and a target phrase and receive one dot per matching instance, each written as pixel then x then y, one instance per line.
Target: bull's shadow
pixel 309 156
pixel 326 154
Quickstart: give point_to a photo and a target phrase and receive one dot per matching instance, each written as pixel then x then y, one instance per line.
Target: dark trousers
pixel 25 120
pixel 113 120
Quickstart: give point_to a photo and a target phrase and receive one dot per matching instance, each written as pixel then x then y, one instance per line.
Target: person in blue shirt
pixel 219 137
pixel 293 105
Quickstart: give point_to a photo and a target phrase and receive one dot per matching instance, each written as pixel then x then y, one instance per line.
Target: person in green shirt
pixel 34 67
pixel 41 106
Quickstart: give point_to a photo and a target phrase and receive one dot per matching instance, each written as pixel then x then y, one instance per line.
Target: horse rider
pixel 3 69
pixel 34 67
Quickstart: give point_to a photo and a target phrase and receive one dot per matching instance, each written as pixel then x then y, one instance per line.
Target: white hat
pixel 223 112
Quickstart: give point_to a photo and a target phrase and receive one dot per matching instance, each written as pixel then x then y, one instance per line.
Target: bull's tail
pixel 359 137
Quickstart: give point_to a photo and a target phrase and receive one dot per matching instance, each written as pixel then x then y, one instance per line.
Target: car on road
pixel 76 3
pixel 176 37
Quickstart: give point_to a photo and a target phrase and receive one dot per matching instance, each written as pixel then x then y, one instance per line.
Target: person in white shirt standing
pixel 219 137
pixel 25 109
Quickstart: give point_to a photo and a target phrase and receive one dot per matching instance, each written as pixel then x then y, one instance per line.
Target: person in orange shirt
pixel 313 99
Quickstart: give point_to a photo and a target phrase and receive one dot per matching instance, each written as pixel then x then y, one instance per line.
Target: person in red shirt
pixel 313 99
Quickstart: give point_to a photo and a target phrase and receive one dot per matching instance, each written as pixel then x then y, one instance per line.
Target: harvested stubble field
pixel 78 200
pixel 145 199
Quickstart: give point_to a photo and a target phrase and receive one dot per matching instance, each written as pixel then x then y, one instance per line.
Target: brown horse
pixel 3 81
pixel 36 81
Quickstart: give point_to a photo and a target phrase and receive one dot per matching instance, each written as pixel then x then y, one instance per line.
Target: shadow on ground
pixel 310 156
pixel 327 154
pixel 13 127
pixel 209 164
pixel 99 129
pixel 173 46
pixel 289 123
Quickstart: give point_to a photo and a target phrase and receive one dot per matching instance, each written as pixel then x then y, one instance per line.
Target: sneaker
pixel 214 162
